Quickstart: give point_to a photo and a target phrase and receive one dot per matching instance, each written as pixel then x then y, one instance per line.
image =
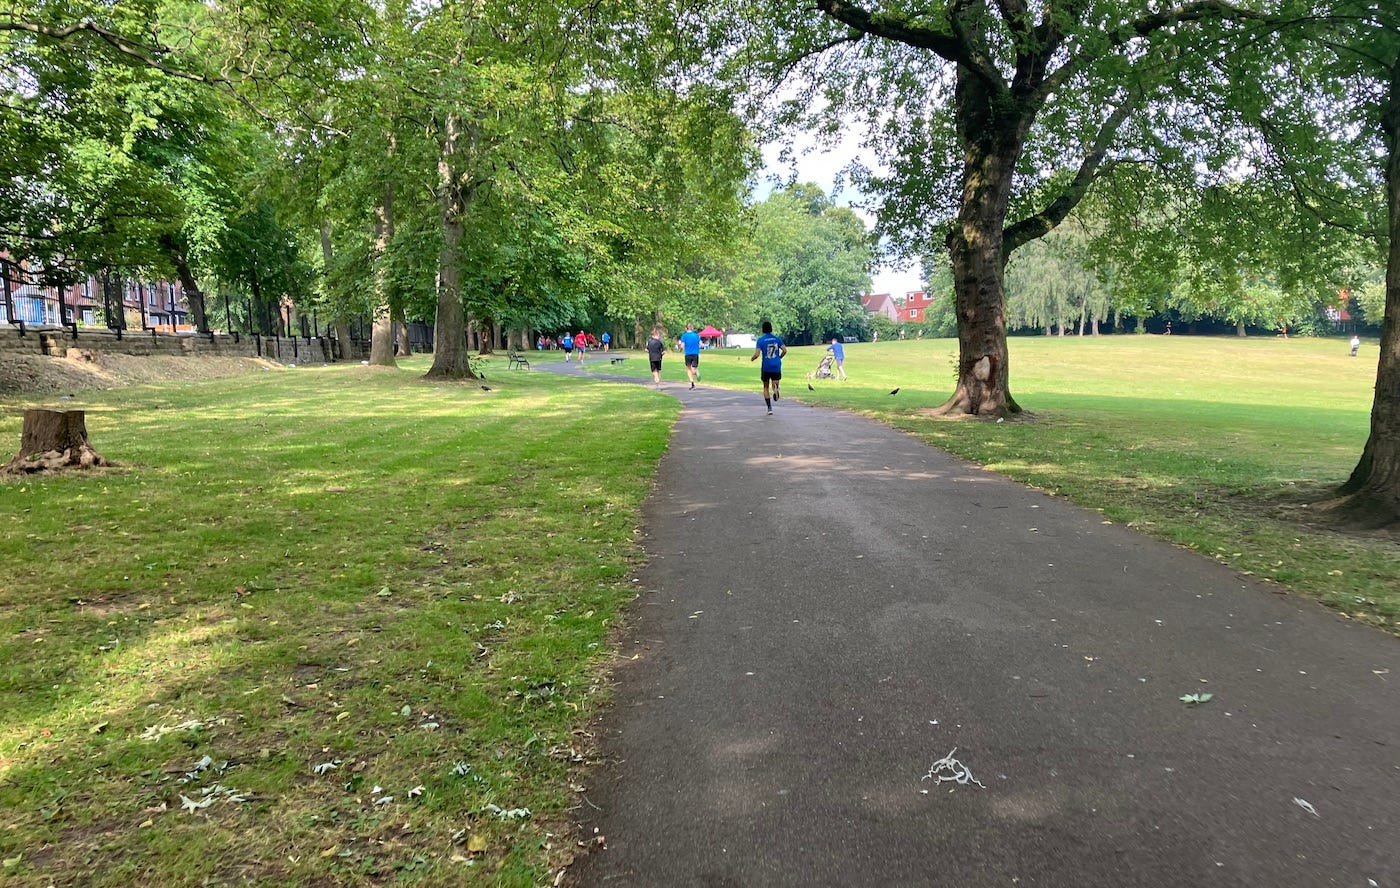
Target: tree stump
pixel 53 440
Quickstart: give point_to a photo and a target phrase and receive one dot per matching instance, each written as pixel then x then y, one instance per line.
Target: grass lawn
pixel 326 626
pixel 337 626
pixel 1219 444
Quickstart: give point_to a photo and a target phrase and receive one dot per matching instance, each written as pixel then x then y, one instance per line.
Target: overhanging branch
pixel 1093 166
pixel 1199 11
pixel 146 55
pixel 1203 10
pixel 958 48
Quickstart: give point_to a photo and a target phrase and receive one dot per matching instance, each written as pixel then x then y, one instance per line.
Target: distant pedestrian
pixel 567 343
pixel 838 351
pixel 771 349
pixel 1169 328
pixel 690 347
pixel 655 349
pixel 1355 344
pixel 581 345
pixel 607 341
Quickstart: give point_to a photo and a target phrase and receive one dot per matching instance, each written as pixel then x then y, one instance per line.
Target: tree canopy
pixel 560 163
pixel 809 264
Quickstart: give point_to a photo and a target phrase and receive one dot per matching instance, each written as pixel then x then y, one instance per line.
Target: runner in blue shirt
pixel 690 345
pixel 772 350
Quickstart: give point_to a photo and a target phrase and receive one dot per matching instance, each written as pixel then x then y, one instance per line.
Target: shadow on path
pixel 830 607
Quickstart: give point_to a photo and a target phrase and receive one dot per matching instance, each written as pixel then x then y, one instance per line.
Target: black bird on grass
pixel 895 392
pixel 486 388
pixel 809 387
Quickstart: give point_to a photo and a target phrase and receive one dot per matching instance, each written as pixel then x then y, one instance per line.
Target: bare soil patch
pixel 39 375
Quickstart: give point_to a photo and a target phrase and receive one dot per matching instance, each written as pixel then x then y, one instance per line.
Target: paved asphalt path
pixel 831 607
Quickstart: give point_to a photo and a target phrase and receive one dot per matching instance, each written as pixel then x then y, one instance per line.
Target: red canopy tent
pixel 711 333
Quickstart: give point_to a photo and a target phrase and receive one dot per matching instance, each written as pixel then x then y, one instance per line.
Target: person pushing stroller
pixel 838 351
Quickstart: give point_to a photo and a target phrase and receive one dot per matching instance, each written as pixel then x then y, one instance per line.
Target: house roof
pixel 875 302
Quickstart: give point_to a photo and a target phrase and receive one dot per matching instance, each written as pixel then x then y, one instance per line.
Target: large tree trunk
pixel 1239 329
pixel 405 348
pixel 381 342
pixel 1374 487
pixel 53 440
pixel 450 356
pixel 486 336
pixel 341 344
pixel 342 339
pixel 990 149
pixel 194 297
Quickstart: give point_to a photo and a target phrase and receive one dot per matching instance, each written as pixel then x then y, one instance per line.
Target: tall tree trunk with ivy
pixel 1373 490
pixel 194 296
pixel 396 311
pixel 450 354
pixel 992 136
pixel 341 345
pixel 381 344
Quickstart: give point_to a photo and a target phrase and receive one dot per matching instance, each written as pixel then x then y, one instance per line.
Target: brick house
pixel 914 309
pixel 880 303
pixel 911 308
pixel 155 305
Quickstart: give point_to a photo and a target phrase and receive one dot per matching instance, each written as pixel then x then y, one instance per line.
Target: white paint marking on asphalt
pixel 949 770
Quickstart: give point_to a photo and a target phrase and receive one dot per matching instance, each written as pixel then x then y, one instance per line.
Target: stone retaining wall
pixel 59 341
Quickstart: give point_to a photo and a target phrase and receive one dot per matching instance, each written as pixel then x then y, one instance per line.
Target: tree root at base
pixel 81 457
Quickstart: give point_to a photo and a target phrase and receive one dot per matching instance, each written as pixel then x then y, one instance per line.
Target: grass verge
pixel 327 626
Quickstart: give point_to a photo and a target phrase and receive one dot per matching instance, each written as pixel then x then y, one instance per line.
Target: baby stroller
pixel 823 369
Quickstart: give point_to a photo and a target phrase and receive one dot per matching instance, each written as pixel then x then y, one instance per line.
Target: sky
pixel 821 167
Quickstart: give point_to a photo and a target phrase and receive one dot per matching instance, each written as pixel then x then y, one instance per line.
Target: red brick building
pixel 158 305
pixel 911 308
